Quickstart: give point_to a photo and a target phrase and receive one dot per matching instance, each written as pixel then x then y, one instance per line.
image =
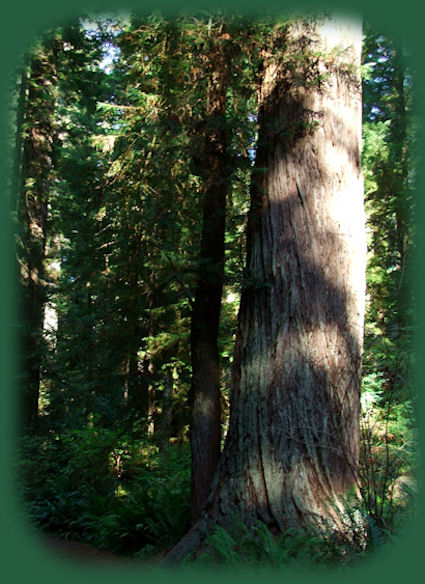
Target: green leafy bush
pixel 73 486
pixel 388 454
pixel 257 547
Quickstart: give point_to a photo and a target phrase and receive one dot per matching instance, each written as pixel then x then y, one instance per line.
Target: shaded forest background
pixel 114 112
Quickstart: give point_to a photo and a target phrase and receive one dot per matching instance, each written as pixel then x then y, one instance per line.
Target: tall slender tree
pixel 34 169
pixel 212 163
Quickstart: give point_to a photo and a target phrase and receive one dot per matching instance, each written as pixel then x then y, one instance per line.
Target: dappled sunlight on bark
pixel 292 446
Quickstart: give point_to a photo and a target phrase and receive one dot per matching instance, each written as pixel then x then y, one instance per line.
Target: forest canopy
pixel 213 219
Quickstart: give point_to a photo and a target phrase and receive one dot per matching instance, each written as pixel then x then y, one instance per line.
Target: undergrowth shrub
pixel 388 455
pixel 119 492
pixel 114 492
pixel 243 548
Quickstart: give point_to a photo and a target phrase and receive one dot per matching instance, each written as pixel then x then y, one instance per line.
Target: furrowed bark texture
pixel 205 391
pixel 293 439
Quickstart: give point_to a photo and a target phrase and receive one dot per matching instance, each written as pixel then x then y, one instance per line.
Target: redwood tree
pixel 212 166
pixel 293 439
pixel 34 176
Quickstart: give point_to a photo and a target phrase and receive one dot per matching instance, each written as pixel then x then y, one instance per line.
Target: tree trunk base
pixel 190 544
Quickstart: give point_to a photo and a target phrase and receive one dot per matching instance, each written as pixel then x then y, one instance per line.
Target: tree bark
pixel 205 390
pixel 293 440
pixel 35 183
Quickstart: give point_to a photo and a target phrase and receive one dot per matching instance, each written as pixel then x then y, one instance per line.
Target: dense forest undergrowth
pixel 135 138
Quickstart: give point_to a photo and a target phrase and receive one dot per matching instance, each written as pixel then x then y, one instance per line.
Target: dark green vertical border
pixel 22 557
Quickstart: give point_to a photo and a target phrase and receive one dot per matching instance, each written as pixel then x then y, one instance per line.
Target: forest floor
pixel 87 554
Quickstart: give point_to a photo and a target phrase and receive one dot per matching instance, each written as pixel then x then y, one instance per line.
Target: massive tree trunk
pixel 205 390
pixel 34 185
pixel 293 440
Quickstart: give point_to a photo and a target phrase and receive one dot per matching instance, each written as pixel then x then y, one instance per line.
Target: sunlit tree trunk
pixel 36 167
pixel 293 441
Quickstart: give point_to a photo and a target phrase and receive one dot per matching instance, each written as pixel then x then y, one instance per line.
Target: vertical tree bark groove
pixel 205 390
pixel 293 440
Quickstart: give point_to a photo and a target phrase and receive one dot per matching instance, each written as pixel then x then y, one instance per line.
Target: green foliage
pixel 360 534
pixel 245 548
pixel 388 168
pixel 114 492
pixel 388 462
pixel 389 443
pixel 121 261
